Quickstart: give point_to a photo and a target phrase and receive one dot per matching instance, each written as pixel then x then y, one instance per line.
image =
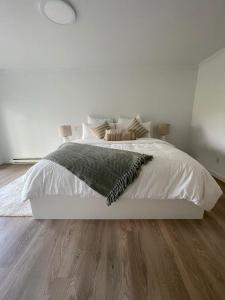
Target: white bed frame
pixel 64 207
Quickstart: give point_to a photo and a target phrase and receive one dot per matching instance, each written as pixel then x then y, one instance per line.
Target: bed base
pixel 64 207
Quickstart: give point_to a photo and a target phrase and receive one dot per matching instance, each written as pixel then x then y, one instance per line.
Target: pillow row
pixel 122 123
pixel 104 131
pixel 98 130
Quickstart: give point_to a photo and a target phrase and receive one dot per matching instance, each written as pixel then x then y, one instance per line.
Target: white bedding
pixel 172 174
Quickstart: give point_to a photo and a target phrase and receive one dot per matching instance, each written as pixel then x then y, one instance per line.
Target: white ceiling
pixel 112 32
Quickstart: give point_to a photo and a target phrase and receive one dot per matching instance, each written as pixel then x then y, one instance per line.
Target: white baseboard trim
pixel 24 160
pixel 217 175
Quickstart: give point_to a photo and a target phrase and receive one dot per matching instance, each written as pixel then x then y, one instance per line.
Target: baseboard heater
pixel 29 160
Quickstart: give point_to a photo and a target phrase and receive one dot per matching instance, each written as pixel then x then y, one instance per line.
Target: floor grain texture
pixel 138 259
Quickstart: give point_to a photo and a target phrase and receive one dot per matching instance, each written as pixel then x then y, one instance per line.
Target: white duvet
pixel 172 174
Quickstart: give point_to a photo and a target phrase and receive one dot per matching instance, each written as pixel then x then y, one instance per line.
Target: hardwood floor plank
pixel 16 240
pixel 107 259
pixel 33 266
pixel 9 172
pixel 164 280
pixel 195 261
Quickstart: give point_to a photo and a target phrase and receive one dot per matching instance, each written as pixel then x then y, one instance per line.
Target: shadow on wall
pixel 202 149
pixel 4 143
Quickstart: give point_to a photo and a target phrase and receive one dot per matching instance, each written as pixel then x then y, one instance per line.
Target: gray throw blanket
pixel 107 171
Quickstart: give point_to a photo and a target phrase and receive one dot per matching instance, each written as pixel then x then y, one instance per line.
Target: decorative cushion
pixel 147 125
pixel 139 130
pixel 119 135
pixel 86 130
pixel 99 131
pixel 128 135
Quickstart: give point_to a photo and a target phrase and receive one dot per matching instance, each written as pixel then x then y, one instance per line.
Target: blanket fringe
pixel 127 178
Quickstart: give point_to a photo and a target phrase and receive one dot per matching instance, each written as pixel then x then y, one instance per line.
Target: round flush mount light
pixel 58 11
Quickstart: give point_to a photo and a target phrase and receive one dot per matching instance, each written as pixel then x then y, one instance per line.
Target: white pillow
pixel 128 120
pixel 86 130
pixel 146 125
pixel 93 120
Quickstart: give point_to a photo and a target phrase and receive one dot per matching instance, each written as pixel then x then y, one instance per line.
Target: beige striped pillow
pixel 99 131
pixel 137 128
pixel 119 135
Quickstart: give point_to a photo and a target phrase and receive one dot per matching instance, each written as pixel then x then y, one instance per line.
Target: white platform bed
pixel 172 186
pixel 62 207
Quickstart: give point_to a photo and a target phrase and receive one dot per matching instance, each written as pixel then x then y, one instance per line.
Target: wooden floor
pixel 68 259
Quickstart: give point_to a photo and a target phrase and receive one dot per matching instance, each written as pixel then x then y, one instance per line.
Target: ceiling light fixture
pixel 58 11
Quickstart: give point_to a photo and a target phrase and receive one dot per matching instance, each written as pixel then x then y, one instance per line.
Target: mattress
pixel 172 174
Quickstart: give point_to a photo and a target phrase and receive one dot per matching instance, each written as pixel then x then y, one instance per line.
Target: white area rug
pixel 11 204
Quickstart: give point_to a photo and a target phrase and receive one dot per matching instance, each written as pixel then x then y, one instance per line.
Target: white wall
pixel 208 122
pixel 3 142
pixel 36 102
pixel 2 156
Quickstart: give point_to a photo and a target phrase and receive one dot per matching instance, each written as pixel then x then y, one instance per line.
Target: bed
pixel 172 186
